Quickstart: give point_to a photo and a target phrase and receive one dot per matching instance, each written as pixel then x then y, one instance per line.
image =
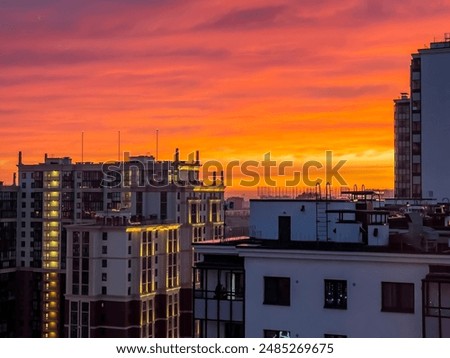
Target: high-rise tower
pixel 428 125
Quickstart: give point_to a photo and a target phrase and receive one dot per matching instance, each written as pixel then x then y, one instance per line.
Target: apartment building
pixel 8 223
pixel 57 193
pixel 421 131
pixel 325 268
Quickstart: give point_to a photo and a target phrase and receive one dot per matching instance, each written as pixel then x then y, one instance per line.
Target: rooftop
pixel 398 244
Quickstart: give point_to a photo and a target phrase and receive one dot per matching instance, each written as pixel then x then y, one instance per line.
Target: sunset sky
pixel 233 79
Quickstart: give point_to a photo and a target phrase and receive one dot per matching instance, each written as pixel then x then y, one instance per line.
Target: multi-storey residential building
pixel 124 279
pixel 58 193
pixel 51 194
pixel 308 272
pixel 8 214
pixel 428 124
pixel 402 144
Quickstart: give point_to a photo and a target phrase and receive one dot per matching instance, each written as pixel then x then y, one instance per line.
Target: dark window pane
pixel 397 297
pixel 277 291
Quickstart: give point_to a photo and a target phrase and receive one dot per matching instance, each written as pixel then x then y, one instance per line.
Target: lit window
pixel 272 333
pixel 335 294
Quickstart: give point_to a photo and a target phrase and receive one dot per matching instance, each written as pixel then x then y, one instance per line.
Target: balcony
pixel 51 215
pixel 219 299
pixel 54 205
pixel 51 246
pixel 225 308
pixel 50 286
pixel 54 184
pixel 53 226
pixel 51 265
pixel 51 306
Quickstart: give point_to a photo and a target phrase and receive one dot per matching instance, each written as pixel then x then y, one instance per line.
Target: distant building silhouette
pixel 8 256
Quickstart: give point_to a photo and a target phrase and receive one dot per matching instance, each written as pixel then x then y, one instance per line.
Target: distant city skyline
pixel 232 80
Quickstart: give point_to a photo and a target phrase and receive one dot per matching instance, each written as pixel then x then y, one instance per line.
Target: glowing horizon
pixel 232 80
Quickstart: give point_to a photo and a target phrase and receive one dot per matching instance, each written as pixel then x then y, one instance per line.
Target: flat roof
pixel 303 200
pixel 397 245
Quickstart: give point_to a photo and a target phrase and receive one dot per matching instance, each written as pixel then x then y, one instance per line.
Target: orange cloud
pixel 231 79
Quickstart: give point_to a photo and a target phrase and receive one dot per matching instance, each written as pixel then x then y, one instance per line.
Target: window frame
pixel 335 283
pixel 279 300
pixel 399 306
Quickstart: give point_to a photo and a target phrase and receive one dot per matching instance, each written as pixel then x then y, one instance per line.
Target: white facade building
pixel 358 281
pixel 127 280
pixel 434 97
pixel 422 134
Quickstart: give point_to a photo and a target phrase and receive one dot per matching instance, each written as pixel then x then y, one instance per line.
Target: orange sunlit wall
pixel 233 79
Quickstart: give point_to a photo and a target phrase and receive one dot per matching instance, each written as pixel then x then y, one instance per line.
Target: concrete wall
pixel 264 220
pixel 435 124
pixel 306 315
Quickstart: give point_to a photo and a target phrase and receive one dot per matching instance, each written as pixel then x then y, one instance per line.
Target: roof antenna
pixel 118 147
pixel 82 147
pixel 157 135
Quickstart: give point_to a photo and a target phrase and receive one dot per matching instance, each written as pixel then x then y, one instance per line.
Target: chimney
pixel 14 179
pixel 197 156
pixel 20 158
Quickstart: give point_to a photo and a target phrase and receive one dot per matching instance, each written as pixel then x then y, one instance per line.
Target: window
pixel 104 291
pixel 234 330
pixel 272 333
pixel 332 335
pixel 105 236
pixel 104 249
pixel 234 282
pixel 129 250
pixel 335 294
pixel 104 263
pixel 104 277
pixel 277 291
pixel 397 297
